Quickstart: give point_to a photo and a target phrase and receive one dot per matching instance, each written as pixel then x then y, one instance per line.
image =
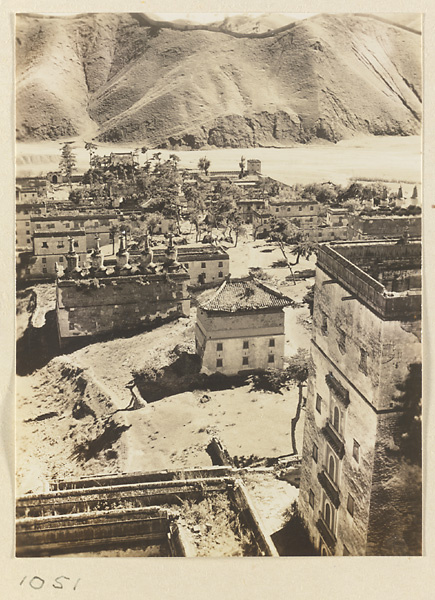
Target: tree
pixel 204 164
pixel 300 247
pixel 414 193
pixel 235 223
pixel 91 149
pixel 67 162
pixel 298 369
pixel 76 196
pixel 242 167
pixel 195 196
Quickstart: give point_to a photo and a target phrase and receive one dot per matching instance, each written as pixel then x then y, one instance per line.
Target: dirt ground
pixel 65 407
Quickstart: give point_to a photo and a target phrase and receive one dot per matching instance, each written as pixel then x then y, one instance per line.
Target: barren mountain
pixel 128 78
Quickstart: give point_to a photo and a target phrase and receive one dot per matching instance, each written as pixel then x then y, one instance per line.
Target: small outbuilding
pixel 241 327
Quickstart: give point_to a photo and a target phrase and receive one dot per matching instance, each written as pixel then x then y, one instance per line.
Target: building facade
pixel 92 223
pixel 377 226
pixel 49 249
pixel 241 328
pixel 306 211
pixel 360 490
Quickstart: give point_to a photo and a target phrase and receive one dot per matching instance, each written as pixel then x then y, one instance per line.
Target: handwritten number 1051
pixel 60 583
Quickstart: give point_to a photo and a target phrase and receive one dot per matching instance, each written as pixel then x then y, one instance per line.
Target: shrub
pixel 271 380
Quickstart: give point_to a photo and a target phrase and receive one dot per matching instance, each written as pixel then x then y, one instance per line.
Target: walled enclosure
pixel 70 519
pixel 117 304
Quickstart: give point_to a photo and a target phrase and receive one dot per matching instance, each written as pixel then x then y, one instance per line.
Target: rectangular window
pixel 315 453
pixel 44 244
pixel 60 245
pixel 272 343
pixel 245 360
pixel 44 260
pixel 245 345
pixel 28 232
pixel 271 358
pixel 350 505
pixel 363 361
pixel 44 270
pixel 341 341
pixel 276 209
pixel 67 225
pixel 324 327
pixel 219 346
pixel 319 404
pixel 38 226
pixel 60 258
pixel 311 207
pixel 220 274
pixel 28 240
pixel 355 451
pixel 27 223
pixel 220 264
pixel 203 265
pixel 311 498
pixel 219 362
pixel 300 208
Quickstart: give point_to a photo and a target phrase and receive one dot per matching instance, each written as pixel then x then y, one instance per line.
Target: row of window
pixel 60 244
pixel 331 467
pixel 204 265
pixel 328 512
pixel 245 360
pixel 220 345
pixel 289 208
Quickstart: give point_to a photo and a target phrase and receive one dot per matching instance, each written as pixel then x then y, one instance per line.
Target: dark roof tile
pixel 245 294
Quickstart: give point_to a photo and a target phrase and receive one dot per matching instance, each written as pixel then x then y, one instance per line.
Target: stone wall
pixel 118 304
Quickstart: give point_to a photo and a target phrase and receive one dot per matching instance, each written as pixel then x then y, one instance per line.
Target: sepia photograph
pixel 218 284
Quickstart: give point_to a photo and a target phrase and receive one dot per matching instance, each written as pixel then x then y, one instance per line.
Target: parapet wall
pixel 340 262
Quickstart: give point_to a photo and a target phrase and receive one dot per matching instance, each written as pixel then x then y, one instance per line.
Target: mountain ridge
pixel 108 77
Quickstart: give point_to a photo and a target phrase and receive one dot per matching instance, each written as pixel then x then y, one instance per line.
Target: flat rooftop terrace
pixel 384 275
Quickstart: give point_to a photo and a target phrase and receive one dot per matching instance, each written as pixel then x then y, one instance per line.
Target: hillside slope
pixel 115 77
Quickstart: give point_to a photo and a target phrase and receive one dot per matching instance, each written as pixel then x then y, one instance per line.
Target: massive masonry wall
pixel 369 360
pixel 390 346
pixel 353 477
pixel 116 304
